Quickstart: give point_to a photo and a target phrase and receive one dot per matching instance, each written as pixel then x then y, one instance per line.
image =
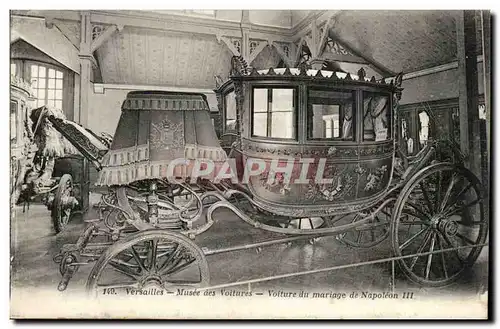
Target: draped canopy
pixel 156 128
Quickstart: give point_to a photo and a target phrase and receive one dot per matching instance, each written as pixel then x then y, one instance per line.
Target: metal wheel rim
pixel 437 239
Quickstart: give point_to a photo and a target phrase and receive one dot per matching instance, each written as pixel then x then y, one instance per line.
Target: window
pixel 230 106
pixel 377 117
pixel 423 135
pixel 274 112
pixel 48 85
pixel 329 114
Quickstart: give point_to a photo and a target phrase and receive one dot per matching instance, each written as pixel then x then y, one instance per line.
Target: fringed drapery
pixel 156 128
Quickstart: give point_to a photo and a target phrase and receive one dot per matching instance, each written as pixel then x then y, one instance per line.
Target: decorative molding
pixel 100 35
pixel 229 43
pixel 169 22
pixel 336 48
pixel 186 24
pixel 298 51
pixel 324 36
pixel 257 50
pixel 98 87
pixel 20 83
pixel 285 52
pixel 436 69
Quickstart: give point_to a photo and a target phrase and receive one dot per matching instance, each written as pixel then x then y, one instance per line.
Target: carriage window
pixel 274 112
pixel 377 117
pixel 329 114
pixel 230 103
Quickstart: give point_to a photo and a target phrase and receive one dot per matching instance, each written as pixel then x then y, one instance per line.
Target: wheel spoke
pixel 447 194
pixel 438 196
pixel 179 268
pixel 138 259
pixel 154 248
pixel 466 239
pixel 463 190
pixel 454 210
pixel 426 197
pixel 452 245
pixel 122 262
pixel 166 269
pixel 414 206
pixel 170 257
pixel 416 222
pixel 442 256
pixel 410 240
pixel 122 269
pixel 429 257
pixel 420 249
pixel 468 224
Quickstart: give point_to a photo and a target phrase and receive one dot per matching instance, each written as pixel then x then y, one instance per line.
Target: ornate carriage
pixel 44 165
pixel 314 154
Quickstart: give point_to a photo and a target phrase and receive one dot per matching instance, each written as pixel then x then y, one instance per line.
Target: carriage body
pixel 327 124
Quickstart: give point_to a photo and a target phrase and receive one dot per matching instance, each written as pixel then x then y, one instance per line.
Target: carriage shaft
pixel 208 252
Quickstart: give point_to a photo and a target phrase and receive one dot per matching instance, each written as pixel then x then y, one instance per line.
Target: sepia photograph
pixel 250 164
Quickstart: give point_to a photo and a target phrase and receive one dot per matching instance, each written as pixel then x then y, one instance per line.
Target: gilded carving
pixel 278 185
pixel 76 137
pixel 375 179
pixel 342 186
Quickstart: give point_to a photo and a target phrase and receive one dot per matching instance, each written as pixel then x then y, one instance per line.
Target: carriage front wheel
pixel 149 259
pixel 438 221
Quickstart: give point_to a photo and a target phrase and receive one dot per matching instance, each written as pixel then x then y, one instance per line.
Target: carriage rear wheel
pixel 63 204
pixel 437 221
pixel 149 259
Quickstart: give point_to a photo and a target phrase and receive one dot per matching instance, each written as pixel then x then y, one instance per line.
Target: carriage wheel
pixel 440 208
pixel 151 258
pixel 303 223
pixel 63 204
pixel 370 234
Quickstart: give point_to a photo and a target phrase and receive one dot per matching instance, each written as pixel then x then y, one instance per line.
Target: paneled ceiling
pixel 151 57
pixel 402 41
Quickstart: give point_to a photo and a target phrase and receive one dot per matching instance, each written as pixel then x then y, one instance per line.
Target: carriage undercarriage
pixel 151 240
